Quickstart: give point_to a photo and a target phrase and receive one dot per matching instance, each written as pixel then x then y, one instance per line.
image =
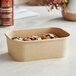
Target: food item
pixel 49 36
pixel 17 39
pixel 27 39
pixel 32 38
pixel 35 38
pixel 6 12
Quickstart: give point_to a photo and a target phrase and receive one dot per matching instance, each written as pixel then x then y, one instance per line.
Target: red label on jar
pixel 5 0
pixel 6 13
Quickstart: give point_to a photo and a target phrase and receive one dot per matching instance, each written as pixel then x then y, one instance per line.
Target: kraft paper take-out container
pixel 39 49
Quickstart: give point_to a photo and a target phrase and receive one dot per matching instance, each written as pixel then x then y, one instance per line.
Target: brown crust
pixel 27 39
pixel 44 37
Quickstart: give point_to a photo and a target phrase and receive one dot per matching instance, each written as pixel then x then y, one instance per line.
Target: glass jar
pixel 6 13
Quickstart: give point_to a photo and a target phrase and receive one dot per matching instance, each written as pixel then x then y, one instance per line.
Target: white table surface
pixel 51 67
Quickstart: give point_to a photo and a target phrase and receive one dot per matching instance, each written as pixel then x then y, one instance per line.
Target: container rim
pixel 37 40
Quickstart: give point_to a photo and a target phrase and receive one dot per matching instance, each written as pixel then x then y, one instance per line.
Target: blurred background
pixel 26 2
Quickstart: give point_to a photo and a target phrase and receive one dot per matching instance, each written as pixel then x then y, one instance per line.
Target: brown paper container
pixel 39 49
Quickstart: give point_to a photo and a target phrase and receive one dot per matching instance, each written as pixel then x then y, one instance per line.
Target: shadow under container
pixel 37 50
